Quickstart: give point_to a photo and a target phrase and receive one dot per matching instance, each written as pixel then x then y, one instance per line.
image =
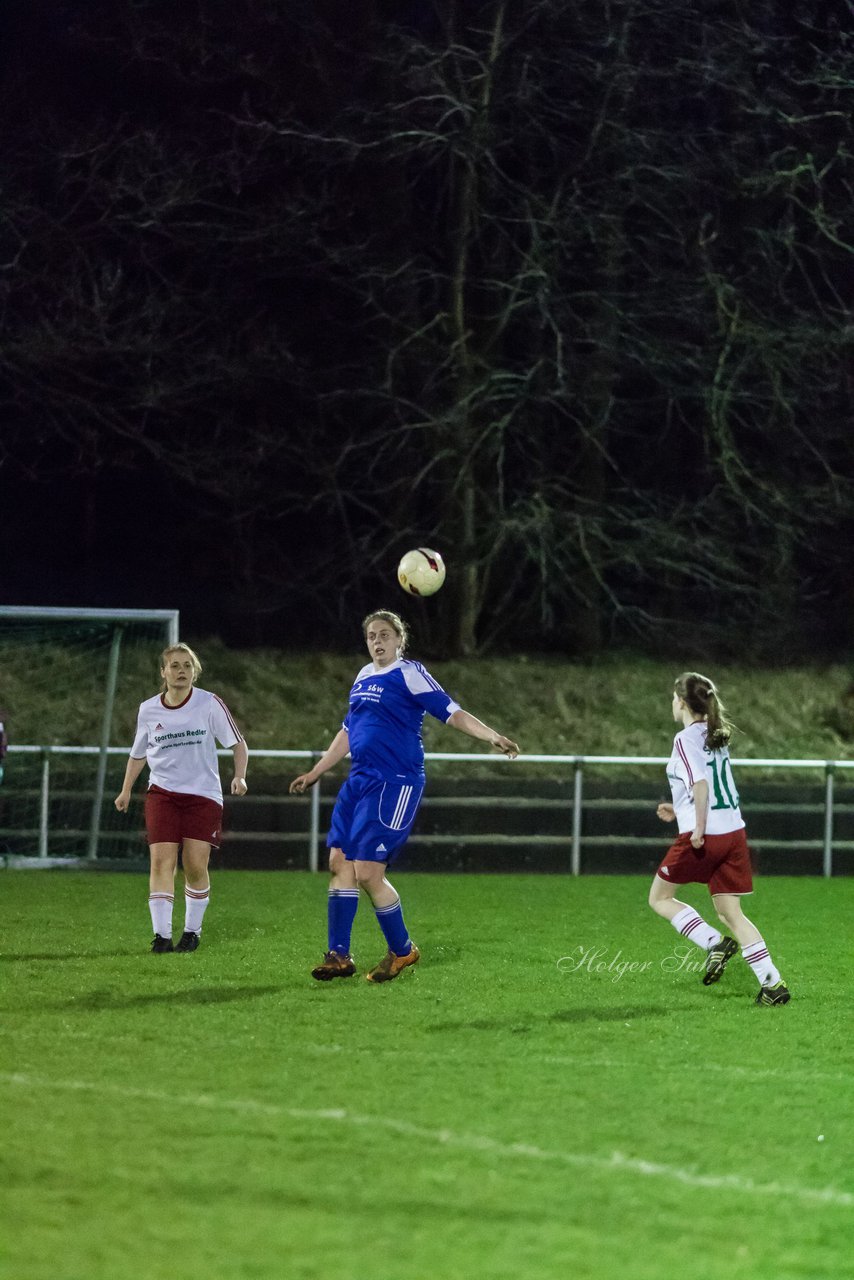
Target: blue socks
pixel 391 922
pixel 341 912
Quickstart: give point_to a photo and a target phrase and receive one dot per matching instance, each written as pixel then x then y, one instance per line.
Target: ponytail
pixel 700 695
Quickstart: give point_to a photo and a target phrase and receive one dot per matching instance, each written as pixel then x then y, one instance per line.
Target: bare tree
pixel 561 288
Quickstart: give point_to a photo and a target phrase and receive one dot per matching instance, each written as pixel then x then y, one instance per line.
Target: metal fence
pixel 573 765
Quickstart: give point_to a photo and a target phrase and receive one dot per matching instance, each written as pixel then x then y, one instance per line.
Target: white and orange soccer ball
pixel 421 572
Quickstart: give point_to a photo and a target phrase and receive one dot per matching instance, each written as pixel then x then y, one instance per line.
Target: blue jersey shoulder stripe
pixel 426 674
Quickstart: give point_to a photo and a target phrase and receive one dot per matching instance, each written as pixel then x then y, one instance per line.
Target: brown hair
pixel 180 648
pixel 393 620
pixel 700 695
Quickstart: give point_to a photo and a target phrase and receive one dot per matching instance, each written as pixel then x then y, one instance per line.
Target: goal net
pixel 71 684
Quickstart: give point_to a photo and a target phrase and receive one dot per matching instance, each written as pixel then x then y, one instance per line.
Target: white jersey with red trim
pixel 692 761
pixel 179 743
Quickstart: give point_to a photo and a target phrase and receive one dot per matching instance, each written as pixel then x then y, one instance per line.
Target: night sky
pixel 563 292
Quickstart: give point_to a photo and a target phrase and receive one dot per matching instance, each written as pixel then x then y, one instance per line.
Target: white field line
pixel 579 1060
pixel 616 1162
pixel 768 1073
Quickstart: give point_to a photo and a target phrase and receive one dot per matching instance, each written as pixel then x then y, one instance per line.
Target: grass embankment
pixel 614 705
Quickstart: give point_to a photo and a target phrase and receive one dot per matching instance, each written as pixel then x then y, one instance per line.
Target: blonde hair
pixel 700 695
pixel 179 648
pixel 393 620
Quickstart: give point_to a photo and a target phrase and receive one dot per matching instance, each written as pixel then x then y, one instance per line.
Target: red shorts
pixel 172 817
pixel 723 863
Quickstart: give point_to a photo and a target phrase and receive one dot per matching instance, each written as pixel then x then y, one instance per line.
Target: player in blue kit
pixel 377 804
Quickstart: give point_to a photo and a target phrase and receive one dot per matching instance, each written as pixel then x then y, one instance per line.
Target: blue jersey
pixel 386 713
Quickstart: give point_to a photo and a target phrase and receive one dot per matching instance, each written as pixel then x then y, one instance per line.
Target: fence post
pixel 44 803
pixel 827 861
pixel 314 829
pixel 106 726
pixel 575 856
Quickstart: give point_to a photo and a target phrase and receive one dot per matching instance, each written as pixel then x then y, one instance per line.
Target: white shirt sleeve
pixel 222 723
pixel 428 692
pixel 139 750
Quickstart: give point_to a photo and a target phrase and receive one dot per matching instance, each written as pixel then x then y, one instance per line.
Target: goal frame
pixel 170 620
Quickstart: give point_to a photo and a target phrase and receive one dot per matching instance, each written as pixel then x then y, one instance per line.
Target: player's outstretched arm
pixel 132 772
pixel 469 724
pixel 338 748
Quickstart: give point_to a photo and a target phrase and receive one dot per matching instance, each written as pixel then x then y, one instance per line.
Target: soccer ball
pixel 421 572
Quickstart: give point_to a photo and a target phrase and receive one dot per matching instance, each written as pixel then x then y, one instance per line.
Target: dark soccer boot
pixel 334 965
pixel 391 965
pixel 717 960
pixel 188 941
pixel 778 994
pixel 160 944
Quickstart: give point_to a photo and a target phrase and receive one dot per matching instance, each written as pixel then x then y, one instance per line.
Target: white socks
pixel 693 926
pixel 160 906
pixel 756 955
pixel 195 904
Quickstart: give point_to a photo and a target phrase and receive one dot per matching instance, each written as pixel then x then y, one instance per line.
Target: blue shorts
pixel 372 817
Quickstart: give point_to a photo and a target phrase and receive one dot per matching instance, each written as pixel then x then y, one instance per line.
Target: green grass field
pixel 497 1113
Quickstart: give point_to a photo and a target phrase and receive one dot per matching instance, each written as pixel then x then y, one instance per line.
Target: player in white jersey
pixel 712 844
pixel 377 804
pixel 177 733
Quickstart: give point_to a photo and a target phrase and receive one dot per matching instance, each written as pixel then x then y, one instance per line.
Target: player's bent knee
pixel 369 875
pixel 337 861
pixel 658 895
pixel 728 909
pixel 368 879
pixel 342 872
